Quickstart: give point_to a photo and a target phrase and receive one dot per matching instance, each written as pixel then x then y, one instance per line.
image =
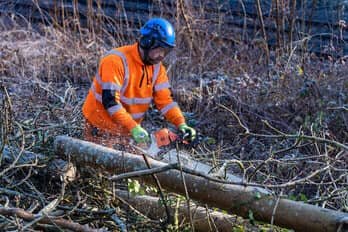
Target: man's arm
pixel 111 72
pixel 169 108
pixel 164 101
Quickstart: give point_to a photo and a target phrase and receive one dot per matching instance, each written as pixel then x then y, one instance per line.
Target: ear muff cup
pixel 146 42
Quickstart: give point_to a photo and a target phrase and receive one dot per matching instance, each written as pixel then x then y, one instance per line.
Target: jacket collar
pixel 136 54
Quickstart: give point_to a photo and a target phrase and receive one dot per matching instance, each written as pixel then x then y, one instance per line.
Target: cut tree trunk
pixel 234 199
pixel 203 219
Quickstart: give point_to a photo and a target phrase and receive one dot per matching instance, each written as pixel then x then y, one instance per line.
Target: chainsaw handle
pixel 186 135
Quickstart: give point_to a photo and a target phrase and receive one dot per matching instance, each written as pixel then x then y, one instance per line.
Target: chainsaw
pixel 163 139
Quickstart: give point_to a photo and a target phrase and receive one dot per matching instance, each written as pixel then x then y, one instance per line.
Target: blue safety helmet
pixel 157 32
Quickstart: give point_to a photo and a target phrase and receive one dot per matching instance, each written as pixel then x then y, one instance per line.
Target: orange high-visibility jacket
pixel 123 89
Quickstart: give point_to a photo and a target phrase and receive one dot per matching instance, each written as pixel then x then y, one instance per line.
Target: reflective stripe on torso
pixel 115 87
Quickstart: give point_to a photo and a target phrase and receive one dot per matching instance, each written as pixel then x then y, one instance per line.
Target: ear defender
pixel 146 42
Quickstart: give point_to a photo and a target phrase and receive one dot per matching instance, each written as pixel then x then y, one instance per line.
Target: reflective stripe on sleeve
pixel 113 109
pixel 137 115
pixel 164 85
pixel 97 95
pixel 110 86
pixel 165 109
pixel 107 85
pixel 98 78
pixel 128 101
pixel 126 69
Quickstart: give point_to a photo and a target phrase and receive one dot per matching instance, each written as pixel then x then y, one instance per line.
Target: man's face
pixel 156 55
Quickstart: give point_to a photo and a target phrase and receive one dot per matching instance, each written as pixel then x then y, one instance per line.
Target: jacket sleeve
pixel 164 101
pixel 111 71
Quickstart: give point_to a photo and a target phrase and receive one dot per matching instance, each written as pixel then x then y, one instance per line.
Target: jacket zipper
pixel 142 77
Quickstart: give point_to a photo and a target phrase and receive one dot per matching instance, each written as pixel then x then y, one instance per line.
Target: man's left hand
pixel 189 132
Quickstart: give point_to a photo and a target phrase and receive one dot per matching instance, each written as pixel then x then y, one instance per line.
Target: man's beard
pixel 148 61
pixel 154 61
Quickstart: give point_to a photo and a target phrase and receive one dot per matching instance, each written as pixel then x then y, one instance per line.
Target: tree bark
pixel 203 219
pixel 234 199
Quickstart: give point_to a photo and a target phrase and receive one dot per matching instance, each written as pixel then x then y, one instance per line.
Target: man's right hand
pixel 140 135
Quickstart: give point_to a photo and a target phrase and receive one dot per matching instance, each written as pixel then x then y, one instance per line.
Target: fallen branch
pixel 65 224
pixel 202 218
pixel 56 168
pixel 232 198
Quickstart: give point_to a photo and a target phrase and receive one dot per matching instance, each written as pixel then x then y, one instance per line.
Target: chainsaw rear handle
pixel 188 133
pixel 186 136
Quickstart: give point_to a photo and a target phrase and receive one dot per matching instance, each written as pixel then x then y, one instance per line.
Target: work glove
pixel 189 132
pixel 140 135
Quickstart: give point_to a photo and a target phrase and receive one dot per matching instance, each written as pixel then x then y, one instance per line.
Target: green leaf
pixel 251 217
pixel 210 141
pixel 257 195
pixel 239 228
pixel 133 186
pixel 292 197
pixel 299 70
pixel 303 197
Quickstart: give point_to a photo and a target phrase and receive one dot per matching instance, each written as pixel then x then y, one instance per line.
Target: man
pixel 128 79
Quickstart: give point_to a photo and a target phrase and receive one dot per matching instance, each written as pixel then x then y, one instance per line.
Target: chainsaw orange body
pixel 164 137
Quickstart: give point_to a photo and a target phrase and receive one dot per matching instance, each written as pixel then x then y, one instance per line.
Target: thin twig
pixel 259 13
pixel 283 135
pixel 185 187
pixel 160 192
pixel 210 178
pixel 275 209
pixel 13 164
pixel 144 172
